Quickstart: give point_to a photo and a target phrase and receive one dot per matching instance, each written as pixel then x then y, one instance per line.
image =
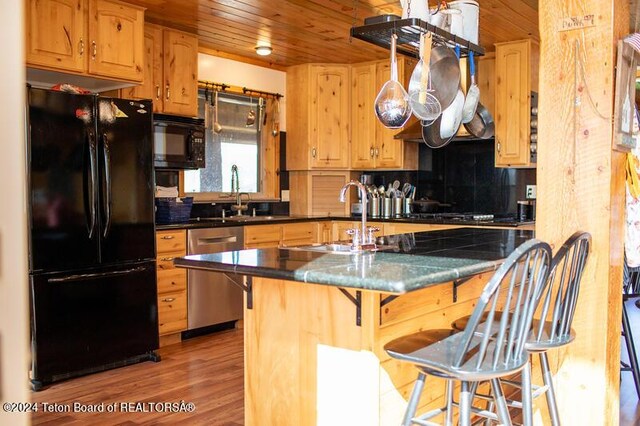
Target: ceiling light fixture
pixel 263 50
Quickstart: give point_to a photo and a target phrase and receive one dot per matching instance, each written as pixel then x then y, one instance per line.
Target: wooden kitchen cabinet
pixel 516 68
pixel 180 73
pixel 152 86
pixel 288 234
pixel 316 193
pixel 57 34
pixel 170 72
pixel 102 38
pixel 172 284
pixel 372 145
pixel 318 117
pixel 392 228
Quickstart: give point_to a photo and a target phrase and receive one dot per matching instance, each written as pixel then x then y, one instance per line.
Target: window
pixel 239 143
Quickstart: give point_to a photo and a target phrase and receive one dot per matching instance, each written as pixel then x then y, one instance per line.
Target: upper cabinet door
pixel 56 34
pixel 116 33
pixel 151 87
pixel 180 73
pixel 329 116
pixel 363 120
pixel 513 103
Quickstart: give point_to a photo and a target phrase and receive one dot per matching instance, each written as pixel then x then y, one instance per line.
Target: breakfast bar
pixel 316 319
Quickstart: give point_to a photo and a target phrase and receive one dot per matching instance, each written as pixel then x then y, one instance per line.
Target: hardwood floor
pixel 206 371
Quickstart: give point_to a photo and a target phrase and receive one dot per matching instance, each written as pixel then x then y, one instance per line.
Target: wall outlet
pixel 531 192
pixel 284 195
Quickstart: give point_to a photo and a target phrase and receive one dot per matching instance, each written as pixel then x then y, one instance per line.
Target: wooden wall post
pixel 581 187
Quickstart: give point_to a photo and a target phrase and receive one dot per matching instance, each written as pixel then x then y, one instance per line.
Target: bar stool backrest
pixel 630 280
pixel 500 339
pixel 567 266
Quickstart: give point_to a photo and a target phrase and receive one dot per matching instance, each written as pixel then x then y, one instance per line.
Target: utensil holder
pixel 374 207
pixel 397 207
pixel 407 207
pixel 387 208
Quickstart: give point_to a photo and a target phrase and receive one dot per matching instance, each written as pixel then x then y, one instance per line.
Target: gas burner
pixel 476 217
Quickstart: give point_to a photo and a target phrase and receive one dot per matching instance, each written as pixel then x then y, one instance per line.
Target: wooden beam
pixel 581 187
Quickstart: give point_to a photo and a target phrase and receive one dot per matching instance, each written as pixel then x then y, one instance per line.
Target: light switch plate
pixel 284 195
pixel 531 192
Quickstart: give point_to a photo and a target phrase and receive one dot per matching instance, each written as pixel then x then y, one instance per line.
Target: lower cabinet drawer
pixel 172 280
pixel 164 262
pixel 172 312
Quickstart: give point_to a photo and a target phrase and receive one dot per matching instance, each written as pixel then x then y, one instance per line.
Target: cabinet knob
pixel 158 94
pixel 377 152
pixel 169 299
pixel 168 237
pixel 313 152
pixel 168 92
pixel 372 152
pixel 81 46
pixel 498 146
pixel 94 49
pixel 167 259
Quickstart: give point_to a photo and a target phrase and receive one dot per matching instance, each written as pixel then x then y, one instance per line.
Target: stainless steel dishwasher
pixel 213 298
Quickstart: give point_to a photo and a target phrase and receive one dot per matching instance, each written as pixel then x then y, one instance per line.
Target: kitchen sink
pixel 337 248
pixel 255 218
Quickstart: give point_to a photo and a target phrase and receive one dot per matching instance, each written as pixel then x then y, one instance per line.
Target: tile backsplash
pixel 463 175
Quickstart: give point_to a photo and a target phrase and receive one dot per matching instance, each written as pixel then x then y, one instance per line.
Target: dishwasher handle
pixel 217 240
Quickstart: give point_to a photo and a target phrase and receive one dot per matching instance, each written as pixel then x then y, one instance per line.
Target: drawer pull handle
pixel 167 259
pixel 168 237
pixel 169 299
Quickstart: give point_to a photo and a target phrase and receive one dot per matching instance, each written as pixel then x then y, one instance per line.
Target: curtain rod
pixel 245 90
pixel 213 85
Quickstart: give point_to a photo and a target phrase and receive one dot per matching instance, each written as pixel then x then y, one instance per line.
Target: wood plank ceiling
pixel 303 31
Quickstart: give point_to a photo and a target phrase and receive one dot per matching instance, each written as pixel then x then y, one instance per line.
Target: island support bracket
pixel 247 288
pixel 357 301
pixel 456 284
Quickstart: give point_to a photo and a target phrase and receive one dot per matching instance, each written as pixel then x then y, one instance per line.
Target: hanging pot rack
pixel 408 32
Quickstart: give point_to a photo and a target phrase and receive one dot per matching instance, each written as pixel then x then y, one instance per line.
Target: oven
pixel 179 142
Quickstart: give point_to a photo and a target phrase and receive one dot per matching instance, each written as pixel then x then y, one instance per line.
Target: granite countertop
pixel 218 222
pixel 414 261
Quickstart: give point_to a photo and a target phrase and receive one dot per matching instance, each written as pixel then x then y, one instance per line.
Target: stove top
pixel 478 217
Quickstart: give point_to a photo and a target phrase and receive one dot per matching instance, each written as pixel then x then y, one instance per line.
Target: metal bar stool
pixel 488 348
pixel 630 290
pixel 551 328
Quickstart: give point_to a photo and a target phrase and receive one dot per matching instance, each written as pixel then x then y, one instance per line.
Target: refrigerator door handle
pixel 83 277
pixel 107 177
pixel 93 174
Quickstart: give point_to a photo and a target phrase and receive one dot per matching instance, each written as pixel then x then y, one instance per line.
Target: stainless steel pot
pixel 481 125
pixel 444 75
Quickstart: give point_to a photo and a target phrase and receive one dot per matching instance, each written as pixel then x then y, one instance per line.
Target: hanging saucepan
pixel 481 125
pixel 445 75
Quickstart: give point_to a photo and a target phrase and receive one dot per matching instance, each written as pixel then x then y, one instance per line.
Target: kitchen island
pixel 315 323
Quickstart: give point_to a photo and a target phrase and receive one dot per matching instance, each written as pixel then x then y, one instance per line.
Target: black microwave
pixel 178 142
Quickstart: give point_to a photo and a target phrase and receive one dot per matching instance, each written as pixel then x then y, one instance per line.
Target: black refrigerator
pixel 92 234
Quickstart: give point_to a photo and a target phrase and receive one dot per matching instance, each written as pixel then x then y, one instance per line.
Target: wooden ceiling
pixel 303 31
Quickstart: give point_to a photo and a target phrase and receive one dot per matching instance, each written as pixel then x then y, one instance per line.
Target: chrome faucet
pixel 238 206
pixel 362 238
